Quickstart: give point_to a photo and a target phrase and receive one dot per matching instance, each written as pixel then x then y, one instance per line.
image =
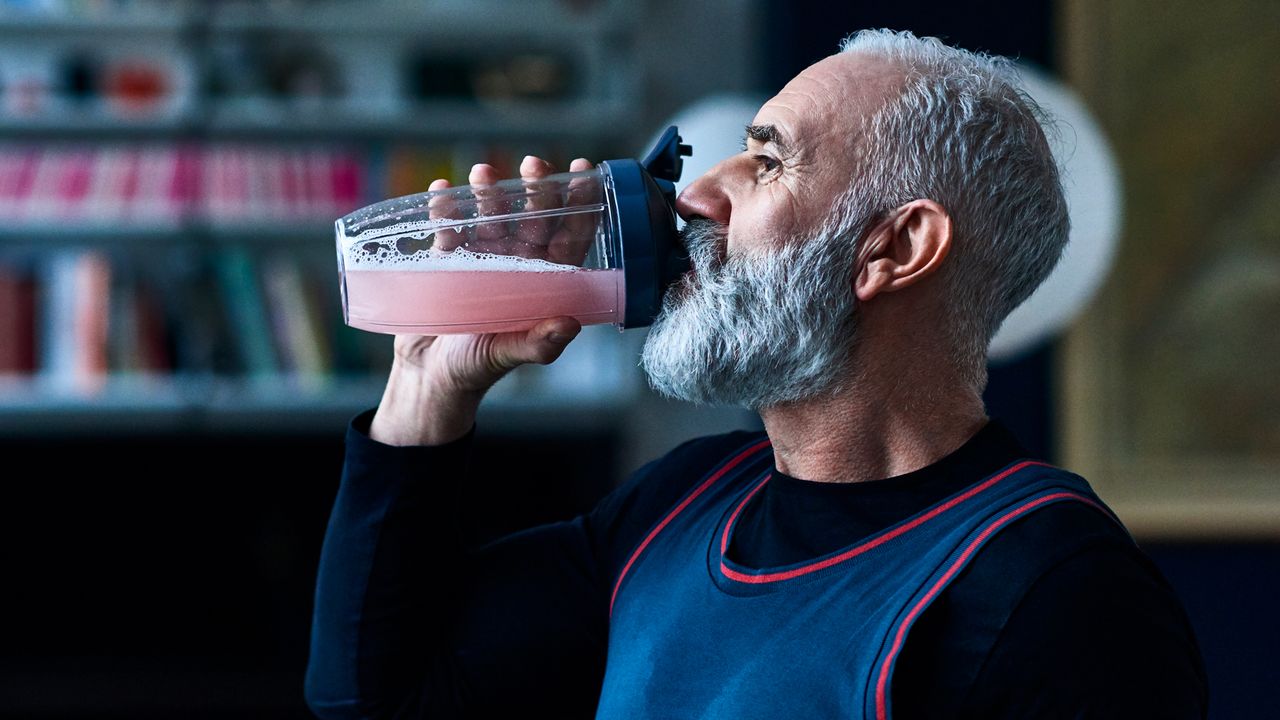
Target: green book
pixel 250 326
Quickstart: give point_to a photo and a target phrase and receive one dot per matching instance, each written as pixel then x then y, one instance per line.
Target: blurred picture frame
pixel 1169 395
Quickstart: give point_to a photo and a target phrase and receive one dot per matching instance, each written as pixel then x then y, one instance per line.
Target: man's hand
pixel 437 382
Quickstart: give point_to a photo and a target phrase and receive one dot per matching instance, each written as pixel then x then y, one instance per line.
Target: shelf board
pixel 67 234
pixel 470 19
pixel 18 23
pixel 190 234
pixel 434 121
pixel 341 122
pixel 124 405
pixel 96 125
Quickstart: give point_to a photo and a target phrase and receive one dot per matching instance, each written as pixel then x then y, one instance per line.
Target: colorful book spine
pixel 74 322
pixel 249 323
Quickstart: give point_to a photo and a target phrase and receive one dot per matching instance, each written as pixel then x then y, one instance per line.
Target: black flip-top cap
pixel 666 159
pixel 644 218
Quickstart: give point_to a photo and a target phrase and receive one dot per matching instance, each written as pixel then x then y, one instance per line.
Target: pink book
pixel 9 162
pixel 319 184
pixel 25 181
pixel 40 203
pixel 272 185
pixel 239 184
pixel 73 187
pixel 155 168
pixel 257 194
pixel 126 194
pixel 182 185
pixel 346 183
pixel 290 182
pixel 103 177
pixel 213 192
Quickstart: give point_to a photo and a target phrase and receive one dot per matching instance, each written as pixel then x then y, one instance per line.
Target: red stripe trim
pixel 870 544
pixel 900 636
pixel 724 537
pixel 678 509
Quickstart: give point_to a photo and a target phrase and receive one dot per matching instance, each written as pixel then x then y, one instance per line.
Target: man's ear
pixel 904 249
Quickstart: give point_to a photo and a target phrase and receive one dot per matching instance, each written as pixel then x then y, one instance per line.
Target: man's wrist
pixel 417 410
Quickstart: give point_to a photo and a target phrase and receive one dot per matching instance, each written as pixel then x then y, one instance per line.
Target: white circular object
pixel 1091 182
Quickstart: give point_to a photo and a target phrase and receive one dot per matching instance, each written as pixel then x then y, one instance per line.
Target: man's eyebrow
pixel 768 134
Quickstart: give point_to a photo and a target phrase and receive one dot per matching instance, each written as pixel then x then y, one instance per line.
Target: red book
pixel 153 345
pixel 17 322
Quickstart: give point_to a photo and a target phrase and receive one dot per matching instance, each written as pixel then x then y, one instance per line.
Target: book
pixel 74 321
pixel 138 340
pixel 190 304
pixel 249 323
pixel 303 349
pixel 17 320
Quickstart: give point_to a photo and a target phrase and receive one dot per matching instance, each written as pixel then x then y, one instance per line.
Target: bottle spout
pixel 666 160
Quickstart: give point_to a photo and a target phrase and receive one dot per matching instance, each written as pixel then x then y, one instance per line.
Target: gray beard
pixel 755 331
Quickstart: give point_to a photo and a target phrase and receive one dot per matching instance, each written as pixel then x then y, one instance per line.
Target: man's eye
pixel 768 164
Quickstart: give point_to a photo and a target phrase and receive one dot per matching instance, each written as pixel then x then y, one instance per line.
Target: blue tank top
pixel 694 635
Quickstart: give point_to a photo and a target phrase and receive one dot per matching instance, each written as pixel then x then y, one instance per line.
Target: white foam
pixel 432 260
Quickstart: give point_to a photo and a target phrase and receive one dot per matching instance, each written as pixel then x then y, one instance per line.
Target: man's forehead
pixel 831 95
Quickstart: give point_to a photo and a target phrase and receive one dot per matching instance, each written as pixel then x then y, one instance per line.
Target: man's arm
pixel 393 579
pixel 1100 636
pixel 408 623
pixel 1059 616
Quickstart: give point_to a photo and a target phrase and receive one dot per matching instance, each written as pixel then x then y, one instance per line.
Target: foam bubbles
pixel 380 256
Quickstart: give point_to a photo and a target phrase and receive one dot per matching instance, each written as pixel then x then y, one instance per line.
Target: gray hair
pixel 963 133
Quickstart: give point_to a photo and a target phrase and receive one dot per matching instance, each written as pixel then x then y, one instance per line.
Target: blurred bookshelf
pixel 170 171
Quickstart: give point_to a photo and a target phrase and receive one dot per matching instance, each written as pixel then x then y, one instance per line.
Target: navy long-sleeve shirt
pixel 1060 617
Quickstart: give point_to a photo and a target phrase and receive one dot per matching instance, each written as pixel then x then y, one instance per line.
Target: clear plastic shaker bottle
pixel 599 245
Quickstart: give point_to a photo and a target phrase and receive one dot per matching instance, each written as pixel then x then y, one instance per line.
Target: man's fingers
pixel 443 207
pixel 533 167
pixel 571 243
pixel 532 235
pixel 492 235
pixel 541 345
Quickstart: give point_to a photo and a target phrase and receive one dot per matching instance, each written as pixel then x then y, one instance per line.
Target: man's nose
pixel 704 197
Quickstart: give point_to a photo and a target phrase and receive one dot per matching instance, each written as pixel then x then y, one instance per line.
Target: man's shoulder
pixel 625 514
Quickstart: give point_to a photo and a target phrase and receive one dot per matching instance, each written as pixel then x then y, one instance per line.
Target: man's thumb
pixel 542 344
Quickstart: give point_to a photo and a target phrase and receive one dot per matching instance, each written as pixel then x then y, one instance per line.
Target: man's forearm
pixel 415 411
pixel 372 632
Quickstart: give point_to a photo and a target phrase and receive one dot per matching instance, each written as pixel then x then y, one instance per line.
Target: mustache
pixel 705 240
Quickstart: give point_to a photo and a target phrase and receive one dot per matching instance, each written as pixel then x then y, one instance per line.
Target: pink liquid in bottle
pixel 426 301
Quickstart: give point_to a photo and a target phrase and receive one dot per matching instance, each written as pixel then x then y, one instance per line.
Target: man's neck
pixel 869 433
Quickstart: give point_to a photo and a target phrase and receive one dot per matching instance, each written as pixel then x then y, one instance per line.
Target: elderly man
pixel 882 549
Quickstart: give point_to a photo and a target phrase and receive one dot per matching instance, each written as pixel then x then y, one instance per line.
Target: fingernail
pixel 528 158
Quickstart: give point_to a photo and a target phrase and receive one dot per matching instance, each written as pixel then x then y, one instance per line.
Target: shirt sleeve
pixel 1100 636
pixel 410 623
pixel 1062 617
